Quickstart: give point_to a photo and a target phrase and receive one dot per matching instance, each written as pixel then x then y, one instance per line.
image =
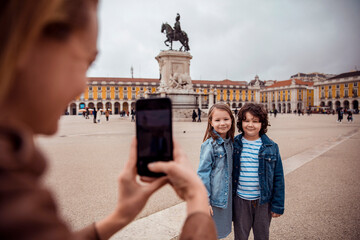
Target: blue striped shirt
pixel 248 187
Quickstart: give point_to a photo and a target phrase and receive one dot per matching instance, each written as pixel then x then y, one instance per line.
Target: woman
pixel 46 48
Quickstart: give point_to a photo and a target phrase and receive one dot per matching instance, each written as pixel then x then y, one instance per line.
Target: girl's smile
pixel 221 122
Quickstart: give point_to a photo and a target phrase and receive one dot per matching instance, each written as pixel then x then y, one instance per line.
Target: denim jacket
pixel 215 170
pixel 271 174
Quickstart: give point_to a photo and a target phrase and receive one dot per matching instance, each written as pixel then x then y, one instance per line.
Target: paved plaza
pixel 320 157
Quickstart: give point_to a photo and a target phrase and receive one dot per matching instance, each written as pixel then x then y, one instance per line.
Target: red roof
pixel 288 83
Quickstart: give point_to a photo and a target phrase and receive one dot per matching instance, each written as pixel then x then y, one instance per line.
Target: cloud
pixel 231 39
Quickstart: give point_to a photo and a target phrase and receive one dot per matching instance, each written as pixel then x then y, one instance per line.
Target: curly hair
pixel 257 110
pixel 209 130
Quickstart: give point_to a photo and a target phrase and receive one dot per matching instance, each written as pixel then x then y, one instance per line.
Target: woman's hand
pixel 132 197
pixel 184 180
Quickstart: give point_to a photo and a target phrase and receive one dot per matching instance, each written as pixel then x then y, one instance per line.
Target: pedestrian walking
pixel 215 166
pixel 99 114
pixel 194 115
pixel 133 115
pixel 94 114
pixel 258 177
pixel 199 115
pixel 350 116
pixel 340 114
pixel 87 113
pixel 107 114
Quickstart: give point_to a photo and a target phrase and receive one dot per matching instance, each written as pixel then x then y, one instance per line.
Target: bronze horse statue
pixel 183 38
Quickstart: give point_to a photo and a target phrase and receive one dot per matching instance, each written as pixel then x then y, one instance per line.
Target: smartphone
pixel 153 133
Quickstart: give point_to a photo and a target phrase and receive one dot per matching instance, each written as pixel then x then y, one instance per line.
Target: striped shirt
pixel 248 187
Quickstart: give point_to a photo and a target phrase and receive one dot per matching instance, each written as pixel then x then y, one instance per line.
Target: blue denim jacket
pixel 215 170
pixel 271 174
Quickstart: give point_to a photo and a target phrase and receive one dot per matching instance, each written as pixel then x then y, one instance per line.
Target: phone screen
pixel 154 133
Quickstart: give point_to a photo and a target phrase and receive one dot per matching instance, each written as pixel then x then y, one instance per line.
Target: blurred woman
pixel 46 48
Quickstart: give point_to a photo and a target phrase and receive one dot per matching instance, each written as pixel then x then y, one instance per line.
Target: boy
pixel 258 177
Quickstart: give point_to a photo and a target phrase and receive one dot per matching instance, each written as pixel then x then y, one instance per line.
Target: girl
pixel 215 166
pixel 258 177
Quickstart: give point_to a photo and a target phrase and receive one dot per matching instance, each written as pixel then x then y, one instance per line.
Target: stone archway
pixel 355 105
pixel 284 107
pixel 329 104
pixel 240 105
pixel 346 104
pixel 91 105
pixel 337 104
pixel 133 105
pixel 279 107
pixel 108 105
pixel 233 105
pixel 99 105
pixel 126 107
pixel 73 109
pixel 117 108
pixel 322 104
pixel 289 107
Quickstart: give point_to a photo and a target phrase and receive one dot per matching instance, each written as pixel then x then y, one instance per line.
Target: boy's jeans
pixel 249 214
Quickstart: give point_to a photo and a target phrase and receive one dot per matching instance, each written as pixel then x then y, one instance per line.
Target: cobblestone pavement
pixel 322 196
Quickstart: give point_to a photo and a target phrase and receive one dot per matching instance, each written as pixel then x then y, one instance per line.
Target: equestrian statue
pixel 175 34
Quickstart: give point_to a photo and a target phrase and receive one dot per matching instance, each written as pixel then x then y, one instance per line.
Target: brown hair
pixel 256 110
pixel 22 22
pixel 209 130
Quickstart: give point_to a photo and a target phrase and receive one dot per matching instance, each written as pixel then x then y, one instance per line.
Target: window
pixel 322 88
pixel 90 95
pixel 108 88
pixel 337 86
pixel 346 93
pixel 125 88
pixel 355 84
pixel 329 87
pixel 133 88
pixel 90 88
pixel 346 85
pixel 141 89
pixel 99 88
pixel 116 88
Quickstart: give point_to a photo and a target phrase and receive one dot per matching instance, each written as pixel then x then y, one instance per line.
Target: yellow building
pixel 120 94
pixel 339 91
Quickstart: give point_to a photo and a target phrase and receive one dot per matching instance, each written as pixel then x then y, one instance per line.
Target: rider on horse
pixel 177 27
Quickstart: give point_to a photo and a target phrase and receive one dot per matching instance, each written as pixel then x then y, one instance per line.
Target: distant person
pixel 350 116
pixel 199 115
pixel 194 115
pixel 94 114
pixel 275 112
pixel 258 177
pixel 99 115
pixel 107 114
pixel 52 44
pixel 87 113
pixel 133 115
pixel 340 115
pixel 215 166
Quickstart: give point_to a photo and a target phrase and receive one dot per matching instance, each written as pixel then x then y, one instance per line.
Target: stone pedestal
pixel 175 81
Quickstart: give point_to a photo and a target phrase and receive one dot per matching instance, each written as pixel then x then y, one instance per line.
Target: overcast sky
pixel 231 39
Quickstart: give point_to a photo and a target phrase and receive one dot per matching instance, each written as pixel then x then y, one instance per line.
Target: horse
pixel 183 38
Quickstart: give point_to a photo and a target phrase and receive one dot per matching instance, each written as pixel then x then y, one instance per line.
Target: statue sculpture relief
pixel 175 34
pixel 180 81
